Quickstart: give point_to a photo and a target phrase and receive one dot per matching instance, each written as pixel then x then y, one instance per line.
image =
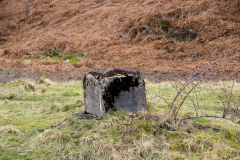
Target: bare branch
pixel 210 116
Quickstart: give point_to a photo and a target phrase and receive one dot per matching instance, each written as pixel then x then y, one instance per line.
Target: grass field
pixel 36 123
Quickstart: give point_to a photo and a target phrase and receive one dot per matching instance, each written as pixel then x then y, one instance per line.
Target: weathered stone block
pixel 116 89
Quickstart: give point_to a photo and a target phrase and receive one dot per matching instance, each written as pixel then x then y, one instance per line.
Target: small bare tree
pixel 190 85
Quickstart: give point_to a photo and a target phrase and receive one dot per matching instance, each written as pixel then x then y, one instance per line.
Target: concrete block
pixel 116 89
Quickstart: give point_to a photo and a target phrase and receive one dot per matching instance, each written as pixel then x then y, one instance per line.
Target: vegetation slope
pixel 152 36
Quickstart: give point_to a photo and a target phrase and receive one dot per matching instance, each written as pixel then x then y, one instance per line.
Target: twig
pixel 164 100
pixel 210 116
pixel 196 96
pixel 194 104
pixel 230 98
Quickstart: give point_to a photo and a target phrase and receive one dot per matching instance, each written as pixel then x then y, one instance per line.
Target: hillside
pixel 152 36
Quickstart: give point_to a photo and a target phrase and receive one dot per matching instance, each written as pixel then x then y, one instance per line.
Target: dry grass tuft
pixel 9 129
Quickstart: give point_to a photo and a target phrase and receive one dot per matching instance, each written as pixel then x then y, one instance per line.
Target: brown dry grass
pixel 108 33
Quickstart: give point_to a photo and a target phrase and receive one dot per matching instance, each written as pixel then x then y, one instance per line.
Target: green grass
pixel 37 124
pixel 56 55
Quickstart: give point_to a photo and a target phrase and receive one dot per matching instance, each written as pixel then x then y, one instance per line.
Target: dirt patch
pixel 9 74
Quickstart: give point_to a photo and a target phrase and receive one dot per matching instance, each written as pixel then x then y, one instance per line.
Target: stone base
pixel 124 92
